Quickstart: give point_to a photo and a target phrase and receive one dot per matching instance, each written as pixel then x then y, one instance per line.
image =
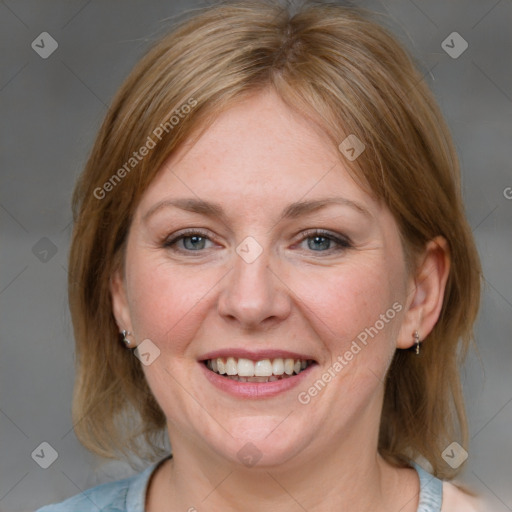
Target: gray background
pixel 50 111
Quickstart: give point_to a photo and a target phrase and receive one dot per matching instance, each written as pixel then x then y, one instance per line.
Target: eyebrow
pixel 215 210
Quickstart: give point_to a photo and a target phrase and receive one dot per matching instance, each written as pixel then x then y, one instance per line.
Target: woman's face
pixel 255 244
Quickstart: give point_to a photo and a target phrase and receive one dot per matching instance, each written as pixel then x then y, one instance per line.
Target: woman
pixel 271 266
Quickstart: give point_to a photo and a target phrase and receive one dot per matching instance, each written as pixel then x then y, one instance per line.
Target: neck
pixel 315 487
pixel 349 476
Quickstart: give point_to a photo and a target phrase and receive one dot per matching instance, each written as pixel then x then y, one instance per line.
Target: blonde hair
pixel 348 75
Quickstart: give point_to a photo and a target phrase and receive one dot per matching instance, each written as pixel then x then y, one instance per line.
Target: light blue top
pixel 129 495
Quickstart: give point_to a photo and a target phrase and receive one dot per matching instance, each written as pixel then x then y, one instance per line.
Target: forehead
pixel 259 149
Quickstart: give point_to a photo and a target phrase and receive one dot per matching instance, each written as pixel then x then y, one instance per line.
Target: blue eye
pixel 192 241
pixel 321 241
pixel 317 241
pixel 196 242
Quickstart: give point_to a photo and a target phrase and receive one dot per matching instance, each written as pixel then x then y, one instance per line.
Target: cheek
pixel 164 300
pixel 345 302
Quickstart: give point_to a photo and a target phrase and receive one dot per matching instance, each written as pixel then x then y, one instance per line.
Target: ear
pixel 120 307
pixel 425 292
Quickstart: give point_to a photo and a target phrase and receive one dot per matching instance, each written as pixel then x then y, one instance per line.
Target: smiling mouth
pixel 264 370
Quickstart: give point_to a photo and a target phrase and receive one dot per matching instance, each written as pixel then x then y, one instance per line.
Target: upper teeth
pixel 262 368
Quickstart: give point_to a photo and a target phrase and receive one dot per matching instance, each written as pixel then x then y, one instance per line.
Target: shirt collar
pixel 136 494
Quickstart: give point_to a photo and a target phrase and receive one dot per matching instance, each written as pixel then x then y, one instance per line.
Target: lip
pixel 254 390
pixel 255 355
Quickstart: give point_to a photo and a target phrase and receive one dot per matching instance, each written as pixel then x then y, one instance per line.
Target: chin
pixel 262 442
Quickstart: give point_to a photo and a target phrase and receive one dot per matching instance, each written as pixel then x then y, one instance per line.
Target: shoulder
pixel 109 497
pixel 127 495
pixel 456 499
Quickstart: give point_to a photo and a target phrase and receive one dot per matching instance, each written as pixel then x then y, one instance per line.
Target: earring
pixel 417 342
pixel 126 341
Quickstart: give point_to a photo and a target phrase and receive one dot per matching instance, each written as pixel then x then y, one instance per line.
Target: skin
pixel 302 295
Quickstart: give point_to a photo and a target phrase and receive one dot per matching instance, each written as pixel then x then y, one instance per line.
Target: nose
pixel 254 295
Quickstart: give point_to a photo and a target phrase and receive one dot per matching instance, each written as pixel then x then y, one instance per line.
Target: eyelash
pixel 343 242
